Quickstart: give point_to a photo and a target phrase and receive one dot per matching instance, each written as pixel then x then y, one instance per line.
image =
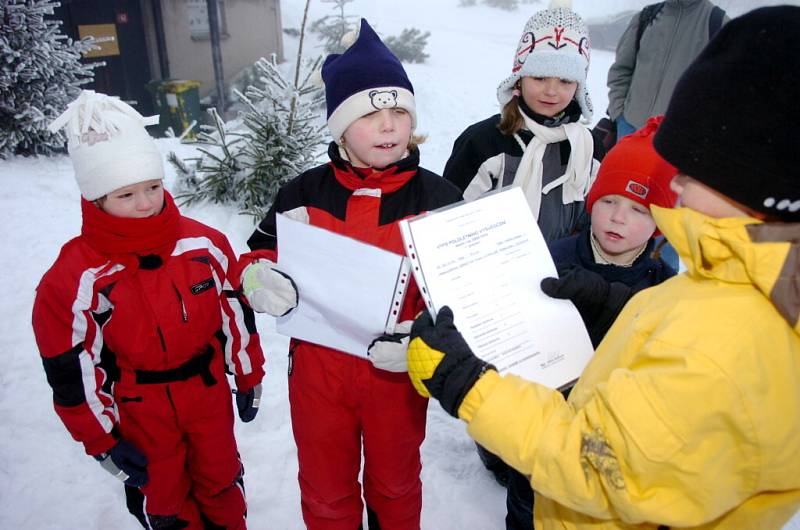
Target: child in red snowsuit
pixel 137 322
pixel 342 403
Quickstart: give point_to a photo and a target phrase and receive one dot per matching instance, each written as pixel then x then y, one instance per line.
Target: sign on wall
pixel 105 38
pixel 197 11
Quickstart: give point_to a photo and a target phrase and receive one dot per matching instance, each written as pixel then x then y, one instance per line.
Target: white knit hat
pixel 108 144
pixel 555 43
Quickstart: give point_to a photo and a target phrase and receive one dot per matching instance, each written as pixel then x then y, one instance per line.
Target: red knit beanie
pixel 633 169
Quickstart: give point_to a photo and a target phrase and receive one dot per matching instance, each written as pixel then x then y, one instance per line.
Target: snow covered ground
pixel 47 482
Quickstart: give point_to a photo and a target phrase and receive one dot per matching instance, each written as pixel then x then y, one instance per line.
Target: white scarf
pixel 579 175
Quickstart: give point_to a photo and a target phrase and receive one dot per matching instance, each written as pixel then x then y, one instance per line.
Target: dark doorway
pixel 127 70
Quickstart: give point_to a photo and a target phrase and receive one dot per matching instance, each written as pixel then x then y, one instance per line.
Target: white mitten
pixel 269 290
pixel 388 352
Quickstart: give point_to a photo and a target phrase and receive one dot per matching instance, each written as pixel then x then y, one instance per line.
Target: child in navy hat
pixel 372 181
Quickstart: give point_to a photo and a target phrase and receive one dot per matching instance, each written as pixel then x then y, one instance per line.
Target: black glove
pixel 598 301
pixel 126 463
pixel 440 363
pixel 248 402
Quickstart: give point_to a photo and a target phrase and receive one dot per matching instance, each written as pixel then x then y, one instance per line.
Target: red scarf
pixel 387 180
pixel 125 238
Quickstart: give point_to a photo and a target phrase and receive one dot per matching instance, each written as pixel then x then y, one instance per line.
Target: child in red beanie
pixel 618 246
pixel 612 258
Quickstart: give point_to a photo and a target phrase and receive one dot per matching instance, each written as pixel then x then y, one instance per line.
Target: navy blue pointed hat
pixel 365 78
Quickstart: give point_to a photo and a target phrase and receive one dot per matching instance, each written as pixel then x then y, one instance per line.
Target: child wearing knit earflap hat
pixel 686 416
pixel 137 322
pixel 538 141
pixel 343 405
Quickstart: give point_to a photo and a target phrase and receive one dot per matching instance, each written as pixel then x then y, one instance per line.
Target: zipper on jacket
pixel 668 55
pixel 161 338
pixel 184 314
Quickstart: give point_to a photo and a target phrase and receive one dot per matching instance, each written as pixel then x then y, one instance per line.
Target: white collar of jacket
pixel 739 250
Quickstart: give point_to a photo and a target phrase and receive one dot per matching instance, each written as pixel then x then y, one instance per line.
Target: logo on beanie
pixel 383 99
pixel 557 40
pixel 92 137
pixel 783 204
pixel 583 49
pixel 557 32
pixel 634 188
pixel 526 45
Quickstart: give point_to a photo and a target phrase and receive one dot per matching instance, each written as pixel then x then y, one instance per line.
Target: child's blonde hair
pixel 416 140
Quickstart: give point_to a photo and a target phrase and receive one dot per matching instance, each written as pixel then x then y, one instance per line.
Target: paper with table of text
pixel 485 259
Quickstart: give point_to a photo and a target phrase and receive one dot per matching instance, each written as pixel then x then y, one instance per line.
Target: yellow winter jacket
pixel 688 415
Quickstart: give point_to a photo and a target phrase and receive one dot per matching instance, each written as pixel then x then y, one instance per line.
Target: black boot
pixel 372 519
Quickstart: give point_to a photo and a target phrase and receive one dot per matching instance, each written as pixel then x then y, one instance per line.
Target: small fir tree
pixel 332 28
pixel 40 73
pixel 279 135
pixel 409 46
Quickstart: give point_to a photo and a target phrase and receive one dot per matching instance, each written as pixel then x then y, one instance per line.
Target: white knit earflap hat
pixel 108 144
pixel 555 43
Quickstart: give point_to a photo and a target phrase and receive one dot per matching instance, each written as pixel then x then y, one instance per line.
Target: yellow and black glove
pixel 440 364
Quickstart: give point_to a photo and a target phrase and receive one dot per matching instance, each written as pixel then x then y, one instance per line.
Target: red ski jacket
pixel 366 206
pixel 99 317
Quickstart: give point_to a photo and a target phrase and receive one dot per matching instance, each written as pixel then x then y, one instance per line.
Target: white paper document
pixel 485 259
pixel 349 292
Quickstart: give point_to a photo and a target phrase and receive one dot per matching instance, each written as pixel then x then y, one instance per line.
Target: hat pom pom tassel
pixel 316 78
pixel 349 38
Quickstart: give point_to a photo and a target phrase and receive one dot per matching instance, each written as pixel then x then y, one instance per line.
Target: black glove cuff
pixel 294 286
pixel 460 381
pixel 618 295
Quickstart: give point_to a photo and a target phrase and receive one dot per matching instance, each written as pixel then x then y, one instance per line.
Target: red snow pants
pixel 185 429
pixel 339 404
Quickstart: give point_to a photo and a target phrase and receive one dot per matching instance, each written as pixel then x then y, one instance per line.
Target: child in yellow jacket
pixel 686 415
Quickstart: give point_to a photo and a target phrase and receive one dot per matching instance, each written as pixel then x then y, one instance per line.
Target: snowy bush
pixel 409 46
pixel 508 5
pixel 40 73
pixel 245 161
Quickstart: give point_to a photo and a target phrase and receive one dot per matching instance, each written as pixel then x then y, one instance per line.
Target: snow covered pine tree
pixel 246 160
pixel 40 73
